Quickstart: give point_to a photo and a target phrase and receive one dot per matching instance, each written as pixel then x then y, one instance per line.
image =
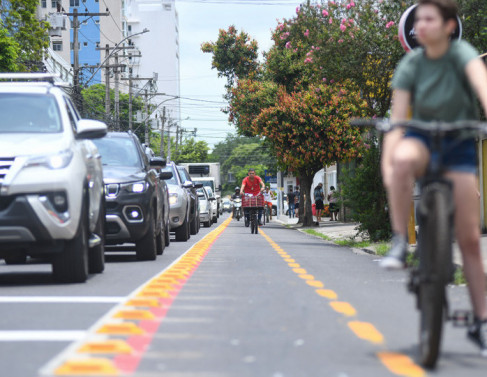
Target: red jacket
pixel 252 187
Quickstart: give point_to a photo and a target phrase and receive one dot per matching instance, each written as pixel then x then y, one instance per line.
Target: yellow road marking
pixel 344 308
pixel 307 277
pixel 315 283
pixel 87 367
pixel 293 265
pixel 366 331
pixel 400 364
pixel 106 347
pixel 300 271
pixel 327 293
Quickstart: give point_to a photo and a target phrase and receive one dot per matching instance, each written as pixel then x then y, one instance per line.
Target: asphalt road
pixel 277 304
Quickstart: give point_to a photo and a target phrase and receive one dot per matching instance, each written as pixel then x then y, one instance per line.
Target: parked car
pixel 226 205
pixel 206 208
pixel 284 203
pixel 194 222
pixel 214 205
pixel 135 195
pixel 179 203
pixel 51 180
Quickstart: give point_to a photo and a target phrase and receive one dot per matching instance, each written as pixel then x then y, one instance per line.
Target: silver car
pixel 206 208
pixel 179 203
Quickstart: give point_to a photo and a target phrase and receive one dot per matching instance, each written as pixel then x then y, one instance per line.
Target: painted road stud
pixel 300 271
pixel 114 346
pixel 344 308
pixel 134 314
pixel 154 293
pixel 315 283
pixel 87 367
pixel 401 365
pixel 143 302
pixel 124 328
pixel 327 293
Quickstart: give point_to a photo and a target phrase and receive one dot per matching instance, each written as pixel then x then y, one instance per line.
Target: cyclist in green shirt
pixel 439 81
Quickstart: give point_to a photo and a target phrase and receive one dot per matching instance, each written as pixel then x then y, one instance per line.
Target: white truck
pixel 209 174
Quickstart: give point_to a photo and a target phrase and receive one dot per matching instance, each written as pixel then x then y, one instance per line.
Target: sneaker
pixel 260 222
pixel 477 333
pixel 396 257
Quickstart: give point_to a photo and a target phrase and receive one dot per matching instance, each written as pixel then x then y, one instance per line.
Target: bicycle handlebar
pixel 385 125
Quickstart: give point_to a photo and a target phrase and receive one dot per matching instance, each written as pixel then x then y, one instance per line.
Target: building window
pixel 53 3
pixel 44 3
pixel 57 46
pixel 85 44
pixel 74 3
pixel 167 6
pixel 129 28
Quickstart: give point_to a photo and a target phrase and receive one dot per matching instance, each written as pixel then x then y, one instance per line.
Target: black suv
pixel 135 194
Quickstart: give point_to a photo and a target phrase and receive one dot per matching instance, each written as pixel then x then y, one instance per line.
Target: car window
pixel 201 193
pixel 72 117
pixel 184 174
pixel 118 151
pixel 173 179
pixel 209 191
pixel 29 113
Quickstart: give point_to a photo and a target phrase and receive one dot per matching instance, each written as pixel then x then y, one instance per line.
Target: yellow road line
pixel 398 364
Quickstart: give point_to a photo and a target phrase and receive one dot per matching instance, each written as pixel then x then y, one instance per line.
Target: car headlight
pixel 54 161
pixel 135 187
pixel 173 199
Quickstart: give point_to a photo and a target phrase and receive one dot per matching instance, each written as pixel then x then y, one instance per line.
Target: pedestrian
pixel 268 200
pixel 319 206
pixel 290 202
pixel 333 200
pixel 438 81
pixel 297 195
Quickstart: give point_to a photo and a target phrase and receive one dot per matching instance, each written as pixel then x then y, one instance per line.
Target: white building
pixel 159 48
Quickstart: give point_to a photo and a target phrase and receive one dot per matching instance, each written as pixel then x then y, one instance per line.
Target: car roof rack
pixel 26 76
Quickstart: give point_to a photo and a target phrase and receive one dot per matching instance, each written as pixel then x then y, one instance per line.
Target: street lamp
pixel 113 51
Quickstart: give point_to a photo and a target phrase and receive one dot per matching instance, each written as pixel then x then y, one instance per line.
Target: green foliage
pixel 363 192
pixel 9 50
pixel 29 34
pixel 191 151
pixel 474 22
pixel 234 54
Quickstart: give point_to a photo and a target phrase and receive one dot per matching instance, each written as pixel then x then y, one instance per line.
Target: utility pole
pixel 163 120
pixel 146 111
pixel 107 84
pixel 130 98
pixel 117 96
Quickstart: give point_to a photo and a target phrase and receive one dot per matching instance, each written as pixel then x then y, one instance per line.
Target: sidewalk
pixel 337 230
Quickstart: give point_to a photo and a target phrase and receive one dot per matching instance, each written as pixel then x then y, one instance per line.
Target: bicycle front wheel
pixel 435 269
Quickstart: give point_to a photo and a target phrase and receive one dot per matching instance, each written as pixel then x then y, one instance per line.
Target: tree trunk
pixel 305 211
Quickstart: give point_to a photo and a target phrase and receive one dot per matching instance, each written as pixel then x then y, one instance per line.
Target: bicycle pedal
pixel 461 318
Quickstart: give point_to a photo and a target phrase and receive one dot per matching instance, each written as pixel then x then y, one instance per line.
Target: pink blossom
pixel 324 79
pixel 306 33
pixel 297 10
pixel 352 4
pixel 288 44
pixel 340 41
pixel 325 13
pixel 348 6
pixel 330 21
pixel 332 81
pixel 351 21
pixel 389 24
pixel 308 60
pixel 376 11
pixel 343 27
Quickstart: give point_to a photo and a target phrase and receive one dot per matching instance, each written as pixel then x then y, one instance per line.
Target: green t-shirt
pixel 439 87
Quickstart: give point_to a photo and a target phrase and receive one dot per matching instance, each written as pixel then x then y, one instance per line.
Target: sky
pixel 199 22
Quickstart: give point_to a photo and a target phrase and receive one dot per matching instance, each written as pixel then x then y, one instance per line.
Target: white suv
pixel 51 180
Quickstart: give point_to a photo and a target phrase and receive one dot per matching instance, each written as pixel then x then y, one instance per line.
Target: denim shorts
pixel 458 155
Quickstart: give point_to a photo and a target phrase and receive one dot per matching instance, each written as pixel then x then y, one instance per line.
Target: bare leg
pixel 409 162
pixel 467 230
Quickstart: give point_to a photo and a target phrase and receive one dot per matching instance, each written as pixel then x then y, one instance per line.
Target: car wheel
pixel 193 229
pixel 215 219
pixel 146 247
pixel 161 241
pixel 207 224
pixel 182 233
pixel 167 234
pixel 96 258
pixel 71 265
pixel 274 211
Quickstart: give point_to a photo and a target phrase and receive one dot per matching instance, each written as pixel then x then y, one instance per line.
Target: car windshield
pixel 118 151
pixel 206 183
pixel 172 180
pixel 29 113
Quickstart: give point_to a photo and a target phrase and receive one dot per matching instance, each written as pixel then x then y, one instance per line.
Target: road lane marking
pixel 41 336
pixel 62 299
pixel 130 320
pixel 396 363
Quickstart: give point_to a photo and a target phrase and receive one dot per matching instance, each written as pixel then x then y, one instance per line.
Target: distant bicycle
pixel 428 281
pixel 252 204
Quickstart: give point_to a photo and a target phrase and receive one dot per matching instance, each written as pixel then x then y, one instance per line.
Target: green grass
pixel 353 243
pixel 318 234
pixel 382 248
pixel 459 277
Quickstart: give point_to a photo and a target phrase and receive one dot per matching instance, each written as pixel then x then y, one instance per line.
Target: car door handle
pixel 98 156
pixel 89 156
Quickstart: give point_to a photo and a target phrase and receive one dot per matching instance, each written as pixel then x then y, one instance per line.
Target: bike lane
pixel 238 304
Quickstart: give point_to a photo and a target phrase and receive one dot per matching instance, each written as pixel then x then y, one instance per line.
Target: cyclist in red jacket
pixel 252 184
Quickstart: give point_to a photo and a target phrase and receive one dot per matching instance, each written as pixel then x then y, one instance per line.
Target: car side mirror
pixel 188 185
pixel 165 175
pixel 90 129
pixel 219 187
pixel 198 185
pixel 158 162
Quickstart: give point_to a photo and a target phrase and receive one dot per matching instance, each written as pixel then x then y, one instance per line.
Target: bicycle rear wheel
pixel 436 211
